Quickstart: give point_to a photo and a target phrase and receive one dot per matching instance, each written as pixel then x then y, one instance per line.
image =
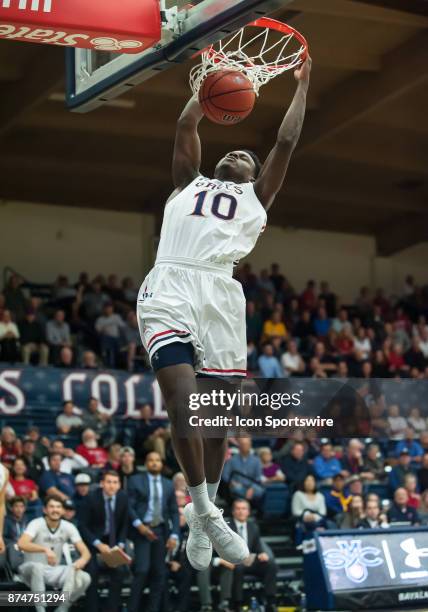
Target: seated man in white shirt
pixel 70 461
pixel 260 565
pixel 44 542
pixel 292 361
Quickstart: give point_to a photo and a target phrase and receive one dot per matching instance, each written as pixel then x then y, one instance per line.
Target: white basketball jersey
pixel 213 221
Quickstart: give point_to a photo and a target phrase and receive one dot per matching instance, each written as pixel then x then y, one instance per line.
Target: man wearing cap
pixel 70 511
pixel 103 523
pixel 82 483
pixel 399 472
pixel 338 499
pixel 34 465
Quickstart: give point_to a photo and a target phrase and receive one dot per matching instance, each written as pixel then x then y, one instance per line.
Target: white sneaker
pixel 198 548
pixel 226 542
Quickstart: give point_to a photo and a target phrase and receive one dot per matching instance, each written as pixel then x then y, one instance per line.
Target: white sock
pixel 212 488
pixel 200 499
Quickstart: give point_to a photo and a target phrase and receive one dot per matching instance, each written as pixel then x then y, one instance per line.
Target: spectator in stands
pixel 11 446
pixel 308 505
pixel 127 467
pixel 243 472
pixel 14 297
pixel 373 467
pixel 373 516
pixel 417 422
pixel 129 291
pixel 325 360
pixel 399 472
pixel 352 517
pixel 9 339
pixel 254 323
pixel 295 465
pixel 151 434
pixel 362 344
pixel 132 340
pixel 274 327
pixel 33 339
pixel 103 522
pixel 308 298
pixel 66 358
pixel 89 361
pixel 68 421
pixel 352 460
pixel 415 450
pixel 82 483
pixel 93 301
pixel 70 460
pixel 16 521
pixel 42 542
pixel 400 511
pixel 423 473
pixel 232 576
pixel 90 449
pixel 341 321
pixel 423 441
pixel 423 342
pixel 337 499
pixel 41 449
pixel 268 364
pixel 414 357
pixel 113 460
pixel 291 360
pixel 271 471
pixel 322 323
pixel 58 334
pixel 326 465
pixel 397 423
pixel 34 465
pixel 23 486
pixel 155 520
pixel 109 327
pixel 70 511
pixel 57 483
pixel 411 486
pixel 94 418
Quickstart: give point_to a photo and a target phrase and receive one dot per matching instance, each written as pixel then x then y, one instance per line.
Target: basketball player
pixel 192 312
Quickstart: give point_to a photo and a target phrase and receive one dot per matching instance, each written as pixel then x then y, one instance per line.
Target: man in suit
pixel 232 576
pixel 154 516
pixel 103 523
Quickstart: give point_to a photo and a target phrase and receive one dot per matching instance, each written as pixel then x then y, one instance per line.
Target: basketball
pixel 227 97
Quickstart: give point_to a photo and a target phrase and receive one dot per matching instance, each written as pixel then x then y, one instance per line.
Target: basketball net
pixel 274 49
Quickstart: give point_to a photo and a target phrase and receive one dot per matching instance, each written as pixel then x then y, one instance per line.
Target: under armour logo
pixel 414 554
pixel 112 44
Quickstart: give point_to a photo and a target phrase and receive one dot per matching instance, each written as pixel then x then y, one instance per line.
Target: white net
pixel 269 53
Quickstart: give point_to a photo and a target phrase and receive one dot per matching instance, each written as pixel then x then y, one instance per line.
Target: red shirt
pixel 395 361
pixel 94 456
pixel 23 488
pixel 414 501
pixel 8 454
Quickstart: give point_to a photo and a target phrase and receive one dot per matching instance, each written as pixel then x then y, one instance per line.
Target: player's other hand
pixel 79 564
pixel 225 563
pixel 263 557
pixel 303 71
pixel 51 556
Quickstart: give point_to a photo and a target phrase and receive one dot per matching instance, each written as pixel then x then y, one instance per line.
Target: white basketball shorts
pixel 185 300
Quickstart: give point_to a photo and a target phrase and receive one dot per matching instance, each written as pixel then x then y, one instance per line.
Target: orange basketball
pixel 227 96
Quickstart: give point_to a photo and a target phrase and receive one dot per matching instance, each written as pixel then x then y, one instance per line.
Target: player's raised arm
pixel 187 150
pixel 272 174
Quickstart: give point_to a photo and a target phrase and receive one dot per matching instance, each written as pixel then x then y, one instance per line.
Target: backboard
pixel 95 77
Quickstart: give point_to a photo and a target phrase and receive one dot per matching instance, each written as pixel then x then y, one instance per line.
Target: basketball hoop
pixel 275 49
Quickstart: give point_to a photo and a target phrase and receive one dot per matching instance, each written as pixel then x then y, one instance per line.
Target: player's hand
pixel 2 545
pixel 51 556
pixel 104 549
pixel 147 533
pixel 174 566
pixel 303 72
pixel 263 557
pixel 225 563
pixel 79 564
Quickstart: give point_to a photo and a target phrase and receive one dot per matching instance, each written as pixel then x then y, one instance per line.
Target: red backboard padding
pixel 125 26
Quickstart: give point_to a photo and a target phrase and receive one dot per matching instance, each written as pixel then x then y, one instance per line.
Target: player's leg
pixel 214 457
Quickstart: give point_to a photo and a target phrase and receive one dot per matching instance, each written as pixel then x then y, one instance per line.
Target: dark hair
pixel 54 498
pixel 17 500
pixel 301 485
pixel 241 500
pixel 54 454
pixel 256 160
pixel 110 473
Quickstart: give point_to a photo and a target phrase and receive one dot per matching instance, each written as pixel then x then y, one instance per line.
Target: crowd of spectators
pixel 92 323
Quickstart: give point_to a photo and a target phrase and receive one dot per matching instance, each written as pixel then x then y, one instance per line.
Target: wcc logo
pixel 32 5
pixel 354 558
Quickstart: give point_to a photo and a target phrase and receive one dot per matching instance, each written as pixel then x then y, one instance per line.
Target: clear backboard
pixel 95 77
